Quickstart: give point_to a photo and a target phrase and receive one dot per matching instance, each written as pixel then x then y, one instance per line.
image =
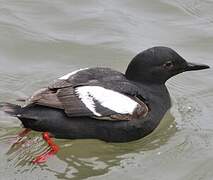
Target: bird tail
pixel 11 109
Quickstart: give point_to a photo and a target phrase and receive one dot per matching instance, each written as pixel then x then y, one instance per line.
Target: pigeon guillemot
pixel 103 103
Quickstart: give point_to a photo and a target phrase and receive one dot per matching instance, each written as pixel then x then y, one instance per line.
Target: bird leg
pixel 20 136
pixel 24 132
pixel 52 151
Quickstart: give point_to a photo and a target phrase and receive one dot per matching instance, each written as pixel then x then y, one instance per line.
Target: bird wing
pixel 97 92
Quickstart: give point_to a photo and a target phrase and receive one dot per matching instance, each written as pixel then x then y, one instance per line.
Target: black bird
pixel 103 103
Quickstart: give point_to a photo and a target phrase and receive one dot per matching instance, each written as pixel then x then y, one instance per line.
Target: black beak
pixel 192 66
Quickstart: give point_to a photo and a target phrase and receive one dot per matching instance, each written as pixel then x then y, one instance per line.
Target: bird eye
pixel 168 64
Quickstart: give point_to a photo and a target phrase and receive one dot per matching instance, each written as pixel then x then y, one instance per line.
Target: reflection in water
pixel 83 158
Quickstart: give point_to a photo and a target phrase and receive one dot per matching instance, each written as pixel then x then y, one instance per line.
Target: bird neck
pixel 157 96
pixel 144 77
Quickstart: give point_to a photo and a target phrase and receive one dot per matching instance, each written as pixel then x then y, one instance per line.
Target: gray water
pixel 41 40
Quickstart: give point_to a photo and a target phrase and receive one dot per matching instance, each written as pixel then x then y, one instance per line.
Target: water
pixel 42 40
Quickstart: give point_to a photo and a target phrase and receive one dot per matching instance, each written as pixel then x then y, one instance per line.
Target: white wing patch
pixel 87 99
pixel 70 74
pixel 110 99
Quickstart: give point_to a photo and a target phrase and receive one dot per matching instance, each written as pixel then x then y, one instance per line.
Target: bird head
pixel 158 64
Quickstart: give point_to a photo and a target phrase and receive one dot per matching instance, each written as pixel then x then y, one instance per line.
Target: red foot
pixel 53 149
pixel 20 136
